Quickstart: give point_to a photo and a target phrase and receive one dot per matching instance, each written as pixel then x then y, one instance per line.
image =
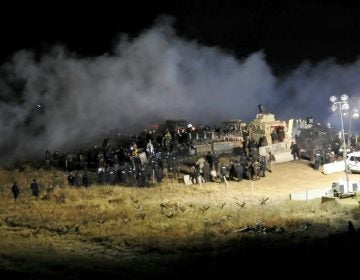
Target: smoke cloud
pixel 61 101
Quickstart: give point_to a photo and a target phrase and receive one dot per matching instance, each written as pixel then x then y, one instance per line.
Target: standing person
pixel 317 160
pixel 150 149
pixel 239 170
pixel 262 166
pixel 34 188
pixel 295 151
pixel 85 180
pixel 206 171
pixel 232 170
pixel 223 172
pixel 15 189
pixel 271 161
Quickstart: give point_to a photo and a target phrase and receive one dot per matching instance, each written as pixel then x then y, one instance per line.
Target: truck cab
pixel 353 161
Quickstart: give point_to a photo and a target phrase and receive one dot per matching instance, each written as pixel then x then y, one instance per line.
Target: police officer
pixel 262 166
pixel 223 170
pixel 239 170
pixel 317 160
pixel 206 171
pixel 295 151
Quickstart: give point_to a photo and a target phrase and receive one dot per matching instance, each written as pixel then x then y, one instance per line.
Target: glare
pixel 333 108
pixel 355 113
pixel 333 98
pixel 345 106
pixel 344 97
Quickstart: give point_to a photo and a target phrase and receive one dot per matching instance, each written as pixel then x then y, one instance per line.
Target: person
pixel 239 170
pixel 206 171
pixel 71 179
pixel 317 160
pixel 223 172
pixel 34 188
pixel 85 180
pixel 150 148
pixel 47 157
pixel 271 161
pixel 15 189
pixel 295 151
pixel 232 170
pixel 262 166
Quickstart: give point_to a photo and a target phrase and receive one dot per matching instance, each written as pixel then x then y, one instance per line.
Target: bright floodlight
pixel 333 98
pixel 355 113
pixel 345 106
pixel 344 97
pixel 333 108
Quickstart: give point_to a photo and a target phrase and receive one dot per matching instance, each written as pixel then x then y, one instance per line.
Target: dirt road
pixel 285 178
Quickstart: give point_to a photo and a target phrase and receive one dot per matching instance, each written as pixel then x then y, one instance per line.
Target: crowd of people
pixel 146 159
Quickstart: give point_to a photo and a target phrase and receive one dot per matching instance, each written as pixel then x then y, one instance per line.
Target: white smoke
pixel 61 101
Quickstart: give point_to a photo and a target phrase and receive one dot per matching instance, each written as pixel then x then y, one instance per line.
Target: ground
pixel 286 178
pixel 102 232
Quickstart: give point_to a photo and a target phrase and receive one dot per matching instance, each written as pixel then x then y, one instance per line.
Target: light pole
pixel 343 105
pixel 354 115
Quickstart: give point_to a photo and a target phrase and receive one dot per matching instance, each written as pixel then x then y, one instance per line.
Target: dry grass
pixel 105 225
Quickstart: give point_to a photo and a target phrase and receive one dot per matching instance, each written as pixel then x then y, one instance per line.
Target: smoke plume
pixel 61 101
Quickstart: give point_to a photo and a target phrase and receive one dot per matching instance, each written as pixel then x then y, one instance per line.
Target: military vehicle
pixel 272 135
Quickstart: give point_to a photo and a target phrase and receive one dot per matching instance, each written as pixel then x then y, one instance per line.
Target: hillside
pixel 170 228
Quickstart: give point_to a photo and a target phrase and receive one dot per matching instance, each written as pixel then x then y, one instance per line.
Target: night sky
pixel 288 32
pixel 117 66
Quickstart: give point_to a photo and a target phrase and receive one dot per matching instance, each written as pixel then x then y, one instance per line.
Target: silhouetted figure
pixel 71 179
pixel 261 109
pixel 85 180
pixel 295 151
pixel 34 188
pixel 317 160
pixel 47 157
pixel 15 189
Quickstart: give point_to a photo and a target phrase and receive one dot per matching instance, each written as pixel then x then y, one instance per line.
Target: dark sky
pixel 98 67
pixel 287 31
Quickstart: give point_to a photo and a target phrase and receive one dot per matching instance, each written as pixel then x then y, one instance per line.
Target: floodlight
pixel 344 97
pixel 333 98
pixel 345 106
pixel 333 108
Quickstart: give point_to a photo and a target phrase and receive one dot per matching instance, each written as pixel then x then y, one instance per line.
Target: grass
pixel 137 232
